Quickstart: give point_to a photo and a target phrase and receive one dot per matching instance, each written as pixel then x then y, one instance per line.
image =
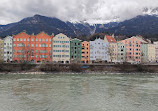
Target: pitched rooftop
pixel 110 39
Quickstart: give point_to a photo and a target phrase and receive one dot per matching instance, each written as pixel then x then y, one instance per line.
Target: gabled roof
pixel 110 39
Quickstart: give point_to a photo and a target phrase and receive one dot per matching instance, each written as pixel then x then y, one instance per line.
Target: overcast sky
pixel 93 11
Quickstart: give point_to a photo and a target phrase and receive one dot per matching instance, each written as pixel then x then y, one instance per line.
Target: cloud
pixel 93 11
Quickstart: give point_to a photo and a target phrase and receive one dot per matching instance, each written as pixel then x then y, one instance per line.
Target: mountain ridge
pixel 145 25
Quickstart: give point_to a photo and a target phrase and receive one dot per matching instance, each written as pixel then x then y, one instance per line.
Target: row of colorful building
pixel 62 49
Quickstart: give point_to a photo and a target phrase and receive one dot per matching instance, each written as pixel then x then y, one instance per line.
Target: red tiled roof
pixel 110 39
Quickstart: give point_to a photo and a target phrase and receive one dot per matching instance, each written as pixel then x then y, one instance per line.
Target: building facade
pixel 144 52
pixel 32 48
pixel 75 50
pixel 151 53
pixel 112 47
pixel 1 50
pixel 120 52
pixel 61 49
pixel 85 52
pixel 132 50
pixel 43 47
pixel 99 51
pixel 113 52
pixel 156 51
pixel 8 53
pixel 21 43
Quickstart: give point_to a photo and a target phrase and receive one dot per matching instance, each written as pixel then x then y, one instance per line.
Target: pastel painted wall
pixel 1 50
pixel 75 50
pixel 113 52
pixel 99 50
pixel 156 51
pixel 61 49
pixel 151 53
pixel 85 52
pixel 144 53
pixel 8 42
pixel 120 52
pixel 133 52
pixel 32 48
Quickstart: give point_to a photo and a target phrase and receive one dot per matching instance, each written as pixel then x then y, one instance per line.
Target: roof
pixel 110 39
pixel 142 39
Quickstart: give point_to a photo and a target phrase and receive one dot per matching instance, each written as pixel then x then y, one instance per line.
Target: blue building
pixel 99 51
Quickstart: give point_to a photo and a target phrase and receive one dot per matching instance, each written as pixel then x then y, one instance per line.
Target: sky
pixel 91 11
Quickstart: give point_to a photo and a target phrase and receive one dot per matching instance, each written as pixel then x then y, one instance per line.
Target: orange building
pixel 85 52
pixel 32 48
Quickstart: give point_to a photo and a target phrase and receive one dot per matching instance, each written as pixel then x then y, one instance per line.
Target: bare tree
pixel 26 53
pixel 111 53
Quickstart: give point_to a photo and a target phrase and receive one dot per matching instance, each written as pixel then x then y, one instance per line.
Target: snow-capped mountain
pixel 150 11
pixel 146 25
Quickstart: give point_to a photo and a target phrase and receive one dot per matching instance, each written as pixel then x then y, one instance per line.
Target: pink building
pixel 132 49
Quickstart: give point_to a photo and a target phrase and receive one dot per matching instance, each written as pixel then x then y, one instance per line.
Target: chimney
pixel 24 31
pixel 52 34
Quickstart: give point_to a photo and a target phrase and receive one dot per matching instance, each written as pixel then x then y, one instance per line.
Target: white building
pixel 8 49
pixel 99 51
pixel 156 51
pixel 61 49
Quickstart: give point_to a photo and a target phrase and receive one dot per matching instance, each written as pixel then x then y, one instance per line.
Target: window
pixel 14 39
pixel 28 39
pixel 46 40
pixel 40 40
pixel 43 40
pixel 17 39
pixel 32 39
pixel 32 45
pixel 36 45
pixel 24 39
pixel 39 45
pixel 49 45
pixel 36 39
pixel 49 40
pixel 46 45
pixel 43 45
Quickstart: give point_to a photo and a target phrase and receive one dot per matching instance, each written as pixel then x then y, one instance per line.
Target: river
pixel 84 92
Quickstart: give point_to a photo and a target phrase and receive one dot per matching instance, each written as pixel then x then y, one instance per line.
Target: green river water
pixel 79 92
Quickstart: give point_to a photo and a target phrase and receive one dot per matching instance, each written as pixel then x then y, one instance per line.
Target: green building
pixel 144 52
pixel 75 50
pixel 120 52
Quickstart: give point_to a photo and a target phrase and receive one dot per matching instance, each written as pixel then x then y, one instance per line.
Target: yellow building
pixel 113 52
pixel 1 50
pixel 112 47
pixel 61 49
pixel 151 53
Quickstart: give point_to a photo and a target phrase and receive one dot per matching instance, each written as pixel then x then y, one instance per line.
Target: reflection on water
pixel 78 93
